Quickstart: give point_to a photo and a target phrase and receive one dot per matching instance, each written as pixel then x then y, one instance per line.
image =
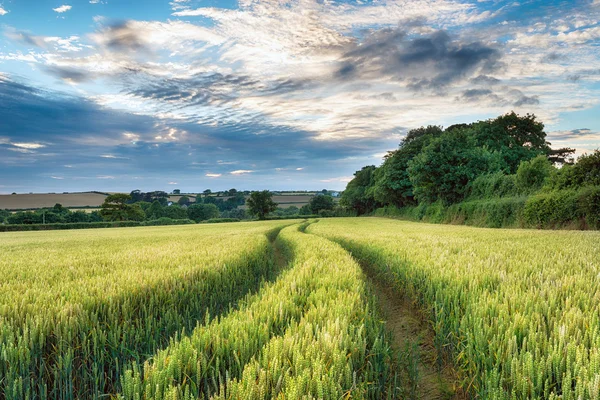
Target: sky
pixel 116 95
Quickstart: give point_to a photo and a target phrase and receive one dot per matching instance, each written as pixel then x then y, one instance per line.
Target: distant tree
pixel 175 212
pixel 116 208
pixel 207 192
pixel 155 211
pixel 305 210
pixel 77 216
pixel 183 200
pixel 3 215
pixel 136 196
pixel 232 192
pixel 176 191
pixel 261 204
pixel 321 202
pixel 202 212
pixel 291 210
pixel 324 191
pixel 235 213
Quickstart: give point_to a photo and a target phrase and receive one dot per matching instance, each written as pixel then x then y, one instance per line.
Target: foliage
pixel 531 175
pixel 261 204
pixel 392 183
pixel 150 197
pixel 515 311
pixel 445 167
pixel 202 212
pixel 321 202
pixel 236 213
pixel 586 172
pixel 116 208
pixel 3 215
pixel 494 185
pixel 184 201
pixel 358 195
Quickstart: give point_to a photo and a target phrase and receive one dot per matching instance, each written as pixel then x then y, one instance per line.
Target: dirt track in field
pixel 413 343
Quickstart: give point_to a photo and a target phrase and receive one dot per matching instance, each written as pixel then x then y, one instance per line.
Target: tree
pixel 392 184
pixel 175 212
pixel 183 201
pixel 155 211
pixel 305 210
pixel 321 202
pixel 202 212
pixel 116 208
pixel 207 192
pixel 446 167
pixel 261 204
pixel 358 195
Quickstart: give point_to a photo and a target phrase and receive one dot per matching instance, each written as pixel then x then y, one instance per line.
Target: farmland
pixel 93 200
pixel 294 309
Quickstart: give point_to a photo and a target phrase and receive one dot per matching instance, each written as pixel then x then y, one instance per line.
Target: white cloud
pixel 299 169
pixel 29 146
pixel 343 179
pixel 105 177
pixel 57 177
pixel 241 172
pixel 213 175
pixel 173 183
pixel 3 11
pixel 62 9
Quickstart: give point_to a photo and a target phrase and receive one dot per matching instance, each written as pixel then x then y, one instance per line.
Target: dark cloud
pixel 485 80
pixel 68 73
pixel 424 62
pixel 26 38
pixel 122 36
pixel 523 100
pixel 207 88
pixel 572 134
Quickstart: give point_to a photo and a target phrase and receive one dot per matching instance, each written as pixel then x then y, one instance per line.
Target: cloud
pixel 241 172
pixel 212 175
pixel 427 61
pixel 62 9
pixel 3 11
pixel 172 183
pixel 29 145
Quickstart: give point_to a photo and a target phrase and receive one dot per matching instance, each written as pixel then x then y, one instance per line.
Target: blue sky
pixel 296 94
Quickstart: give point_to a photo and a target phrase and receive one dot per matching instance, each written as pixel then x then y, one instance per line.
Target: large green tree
pixel 392 183
pixel 446 167
pixel 116 208
pixel 261 204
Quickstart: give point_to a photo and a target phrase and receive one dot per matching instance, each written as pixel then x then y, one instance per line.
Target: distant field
pixel 76 201
pixel 69 200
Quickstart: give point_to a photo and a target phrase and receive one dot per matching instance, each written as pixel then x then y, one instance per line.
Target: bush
pixel 167 221
pixel 532 174
pixel 221 220
pixel 553 209
pixel 78 225
pixel 493 185
pixel 589 205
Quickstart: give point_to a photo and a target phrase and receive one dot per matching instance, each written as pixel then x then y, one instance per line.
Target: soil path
pixel 413 343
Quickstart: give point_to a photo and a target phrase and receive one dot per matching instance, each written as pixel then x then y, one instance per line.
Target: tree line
pixel 437 169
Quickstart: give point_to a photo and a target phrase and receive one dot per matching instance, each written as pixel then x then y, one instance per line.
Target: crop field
pixel 341 308
pixel 39 200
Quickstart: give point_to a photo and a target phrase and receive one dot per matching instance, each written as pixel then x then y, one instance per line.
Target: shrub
pixel 492 185
pixel 532 174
